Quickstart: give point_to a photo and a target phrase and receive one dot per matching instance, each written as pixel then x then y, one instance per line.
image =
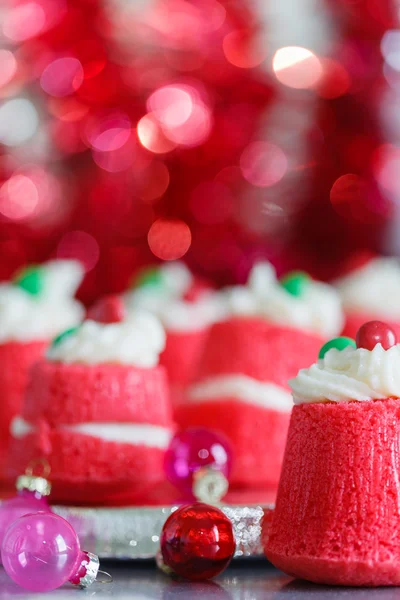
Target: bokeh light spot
pixel 334 81
pixel 296 67
pixel 18 121
pixel 152 137
pixel 114 161
pixel 169 239
pixel 263 164
pixel 347 193
pixel 109 132
pixel 195 130
pixel 390 48
pixel 242 50
pixel 81 246
pixel 181 114
pixel 171 105
pixel 24 21
pixel 386 168
pixel 8 66
pixel 62 77
pixel 18 198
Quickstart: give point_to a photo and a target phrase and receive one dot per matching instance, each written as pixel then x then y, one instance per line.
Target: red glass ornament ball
pixel 375 332
pixel 197 541
pixel 108 309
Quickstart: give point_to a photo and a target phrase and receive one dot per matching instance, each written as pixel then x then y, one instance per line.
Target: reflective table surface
pixel 252 580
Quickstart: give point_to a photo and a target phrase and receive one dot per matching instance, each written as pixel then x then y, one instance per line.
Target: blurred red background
pixel 140 131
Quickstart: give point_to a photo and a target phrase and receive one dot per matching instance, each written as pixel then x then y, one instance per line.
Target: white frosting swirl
pixel 168 304
pixel 136 341
pixel 373 289
pixel 25 317
pixel 317 309
pixel 350 374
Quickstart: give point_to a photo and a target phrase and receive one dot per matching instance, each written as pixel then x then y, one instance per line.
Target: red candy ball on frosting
pixel 108 309
pixel 375 332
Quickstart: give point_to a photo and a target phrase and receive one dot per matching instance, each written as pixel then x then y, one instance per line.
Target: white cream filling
pixel 167 303
pixel 317 309
pixel 138 341
pixel 242 388
pixel 350 374
pixel 373 289
pixel 177 314
pixel 152 436
pixel 25 317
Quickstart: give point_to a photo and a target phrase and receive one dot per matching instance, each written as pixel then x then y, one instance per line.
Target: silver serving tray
pixel 134 532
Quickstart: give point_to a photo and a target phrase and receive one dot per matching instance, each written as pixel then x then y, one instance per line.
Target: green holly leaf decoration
pixel 340 343
pixel 30 279
pixel 65 334
pixel 151 277
pixel 295 283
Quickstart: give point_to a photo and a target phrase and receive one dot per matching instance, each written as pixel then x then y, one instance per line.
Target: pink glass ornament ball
pixel 24 503
pixel 41 552
pixel 193 449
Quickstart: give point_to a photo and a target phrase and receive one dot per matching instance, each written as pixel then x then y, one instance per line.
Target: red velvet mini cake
pixel 186 306
pixel 16 360
pixel 241 387
pixel 98 406
pixel 371 291
pixel 34 307
pixel 337 518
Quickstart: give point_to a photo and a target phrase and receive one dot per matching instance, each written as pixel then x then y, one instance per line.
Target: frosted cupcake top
pixel 136 341
pixel 296 300
pixel 373 289
pixel 346 373
pixel 163 291
pixel 39 302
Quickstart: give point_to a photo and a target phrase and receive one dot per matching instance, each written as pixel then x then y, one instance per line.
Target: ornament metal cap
pixel 39 485
pixel 35 483
pixel 92 564
pixel 209 485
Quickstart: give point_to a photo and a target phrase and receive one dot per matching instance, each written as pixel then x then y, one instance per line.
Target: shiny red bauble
pixel 197 541
pixel 375 332
pixel 108 309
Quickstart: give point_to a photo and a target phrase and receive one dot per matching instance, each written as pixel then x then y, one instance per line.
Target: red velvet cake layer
pixel 182 354
pixel 262 350
pixel 113 453
pixel 16 360
pixel 337 515
pixel 65 393
pixel 89 470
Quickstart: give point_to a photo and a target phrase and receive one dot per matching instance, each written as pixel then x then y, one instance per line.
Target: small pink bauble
pixel 193 449
pixel 41 552
pixel 24 503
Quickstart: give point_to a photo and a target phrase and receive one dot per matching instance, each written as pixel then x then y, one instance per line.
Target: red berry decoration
pixel 196 290
pixel 375 332
pixel 109 309
pixel 197 541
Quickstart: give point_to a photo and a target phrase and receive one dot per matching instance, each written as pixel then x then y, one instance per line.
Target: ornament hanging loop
pixel 106 579
pixel 32 468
